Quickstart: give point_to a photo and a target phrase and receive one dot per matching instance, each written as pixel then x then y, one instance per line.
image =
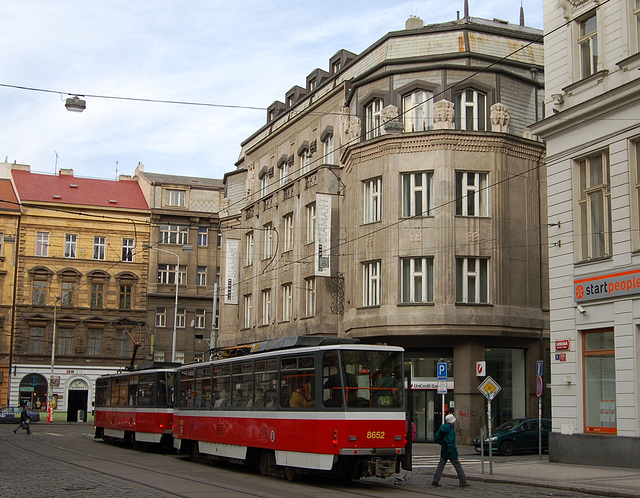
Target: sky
pixel 224 54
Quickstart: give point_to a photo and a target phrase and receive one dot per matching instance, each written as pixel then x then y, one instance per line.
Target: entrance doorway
pixel 427 412
pixel 78 401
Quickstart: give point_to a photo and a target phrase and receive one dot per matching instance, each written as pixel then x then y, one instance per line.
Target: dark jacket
pixel 446 438
pixel 24 416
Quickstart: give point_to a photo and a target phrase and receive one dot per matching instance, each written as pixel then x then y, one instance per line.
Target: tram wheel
pixel 263 464
pixel 291 473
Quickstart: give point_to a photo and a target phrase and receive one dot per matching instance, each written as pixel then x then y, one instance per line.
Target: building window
pixel 636 17
pixel 328 148
pixel 594 204
pixel 588 43
pixel 288 232
pixel 174 234
pixel 70 245
pixel 284 172
pixel 181 318
pixel 249 249
pixel 472 280
pixel 264 185
pixel 36 340
pixel 373 119
pixel 203 236
pixel 371 283
pixel 372 200
pixel 636 170
pixel 268 241
pixel 65 342
pixel 97 295
pixel 127 249
pixel 311 223
pixel 94 343
pixel 417 280
pixel 1 241
pixel 417 194
pixel 124 299
pixel 66 297
pixel 219 239
pixel 310 297
pixel 166 274
pixel 247 311
pixel 174 198
pixel 201 276
pixel 305 161
pixel 287 301
pixel 266 307
pixel 39 292
pixel 161 317
pixel 599 366
pixel 123 344
pixel 201 319
pixel 42 244
pixel 471 194
pixel 99 248
pixel 471 110
pixel 417 111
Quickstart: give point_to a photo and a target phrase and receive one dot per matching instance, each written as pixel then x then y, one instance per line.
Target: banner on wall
pixel 231 258
pixel 322 258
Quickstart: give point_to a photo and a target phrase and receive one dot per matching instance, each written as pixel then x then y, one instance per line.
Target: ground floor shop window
pixel 506 366
pixel 598 357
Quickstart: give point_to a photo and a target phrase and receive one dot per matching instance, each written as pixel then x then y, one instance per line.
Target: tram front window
pixel 373 379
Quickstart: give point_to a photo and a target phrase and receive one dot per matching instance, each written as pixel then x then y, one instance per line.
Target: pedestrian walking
pixel 446 438
pixel 24 421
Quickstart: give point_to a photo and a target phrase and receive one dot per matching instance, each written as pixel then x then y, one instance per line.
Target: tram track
pixel 115 468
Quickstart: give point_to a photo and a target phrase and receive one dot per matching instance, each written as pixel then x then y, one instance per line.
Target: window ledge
pixel 369 307
pixel 595 77
pixel 475 304
pixel 415 304
pixel 630 62
pixel 586 262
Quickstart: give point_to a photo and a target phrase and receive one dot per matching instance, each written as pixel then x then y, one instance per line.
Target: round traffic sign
pixel 539 385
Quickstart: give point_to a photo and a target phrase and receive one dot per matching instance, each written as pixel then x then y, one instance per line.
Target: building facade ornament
pixel 500 118
pixel 443 115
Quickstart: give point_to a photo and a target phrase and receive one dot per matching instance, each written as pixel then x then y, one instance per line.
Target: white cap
pixel 450 419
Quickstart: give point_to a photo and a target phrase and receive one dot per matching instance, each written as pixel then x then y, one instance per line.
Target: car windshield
pixel 509 425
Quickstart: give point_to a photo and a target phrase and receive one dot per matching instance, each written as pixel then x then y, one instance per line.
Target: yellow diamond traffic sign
pixel 489 388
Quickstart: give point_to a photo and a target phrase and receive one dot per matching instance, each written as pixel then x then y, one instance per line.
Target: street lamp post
pixel 175 309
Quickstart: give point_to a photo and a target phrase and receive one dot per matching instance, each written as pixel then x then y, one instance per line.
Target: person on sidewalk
pixel 446 438
pixel 24 421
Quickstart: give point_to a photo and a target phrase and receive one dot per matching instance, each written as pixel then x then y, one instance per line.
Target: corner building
pixel 592 54
pixel 397 199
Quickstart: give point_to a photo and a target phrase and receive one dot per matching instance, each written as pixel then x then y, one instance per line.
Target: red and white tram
pixel 136 406
pixel 292 407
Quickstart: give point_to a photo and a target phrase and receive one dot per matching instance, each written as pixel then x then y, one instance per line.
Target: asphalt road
pixel 65 460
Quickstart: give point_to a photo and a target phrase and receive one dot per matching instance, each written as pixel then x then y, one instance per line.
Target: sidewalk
pixel 530 470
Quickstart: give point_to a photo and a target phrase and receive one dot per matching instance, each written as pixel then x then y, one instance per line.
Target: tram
pixel 136 406
pixel 296 405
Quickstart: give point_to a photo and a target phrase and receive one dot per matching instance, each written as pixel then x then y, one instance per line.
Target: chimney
pixel 521 15
pixel 466 9
pixel 414 22
pixel 66 171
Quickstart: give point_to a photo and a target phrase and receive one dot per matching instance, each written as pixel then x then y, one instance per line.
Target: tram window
pixel 266 384
pixel 297 382
pixel 186 388
pixel 242 384
pixel 145 390
pixel 373 379
pixel 115 392
pixel 132 391
pixel 101 388
pixel 165 389
pixel 222 386
pixel 332 394
pixel 203 388
pixel 124 391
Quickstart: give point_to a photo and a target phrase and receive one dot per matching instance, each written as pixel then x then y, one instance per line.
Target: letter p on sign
pixel 481 368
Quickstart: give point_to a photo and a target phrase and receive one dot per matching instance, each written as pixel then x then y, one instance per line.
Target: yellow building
pixel 81 287
pixel 9 223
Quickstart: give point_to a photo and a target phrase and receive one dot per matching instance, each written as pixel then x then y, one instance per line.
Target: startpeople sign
pixel 606 285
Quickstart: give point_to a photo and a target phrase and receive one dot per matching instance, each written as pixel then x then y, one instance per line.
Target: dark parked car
pixel 11 415
pixel 519 435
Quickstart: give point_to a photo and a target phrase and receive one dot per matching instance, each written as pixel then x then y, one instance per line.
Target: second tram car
pixel 333 407
pixel 136 406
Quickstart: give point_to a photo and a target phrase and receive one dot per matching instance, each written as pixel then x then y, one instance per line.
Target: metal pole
pixel 53 357
pixel 212 342
pixel 540 426
pixel 175 309
pixel 490 442
pixel 443 402
pixel 482 448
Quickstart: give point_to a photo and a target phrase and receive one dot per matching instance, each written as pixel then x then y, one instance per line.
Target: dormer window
pixel 174 198
pixel 335 67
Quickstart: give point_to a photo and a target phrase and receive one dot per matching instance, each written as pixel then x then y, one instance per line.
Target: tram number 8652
pixel 375 435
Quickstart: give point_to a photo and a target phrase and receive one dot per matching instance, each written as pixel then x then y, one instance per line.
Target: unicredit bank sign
pixel 606 285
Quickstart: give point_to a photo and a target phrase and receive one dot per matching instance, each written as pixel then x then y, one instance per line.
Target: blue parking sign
pixel 539 367
pixel 442 371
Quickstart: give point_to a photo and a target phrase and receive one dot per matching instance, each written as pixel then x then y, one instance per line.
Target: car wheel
pixel 507 448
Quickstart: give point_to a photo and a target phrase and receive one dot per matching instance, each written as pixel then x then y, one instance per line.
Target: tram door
pixel 427 412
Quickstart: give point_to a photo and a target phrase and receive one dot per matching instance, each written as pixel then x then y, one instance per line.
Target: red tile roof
pixel 68 189
pixel 8 200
